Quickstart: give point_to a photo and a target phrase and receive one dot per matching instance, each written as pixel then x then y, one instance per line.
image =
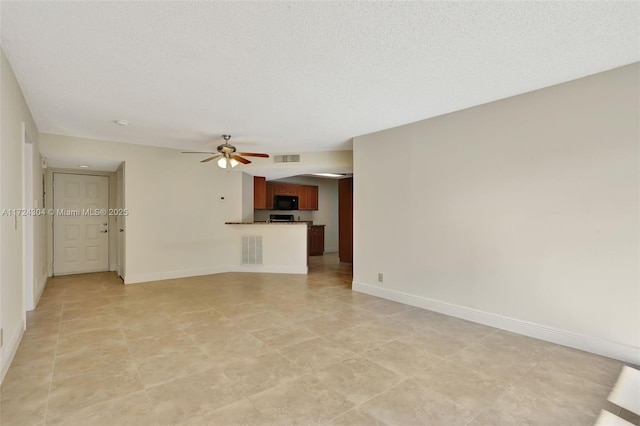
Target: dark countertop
pixel 302 222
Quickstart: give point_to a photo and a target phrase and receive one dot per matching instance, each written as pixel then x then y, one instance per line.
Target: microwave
pixel 285 202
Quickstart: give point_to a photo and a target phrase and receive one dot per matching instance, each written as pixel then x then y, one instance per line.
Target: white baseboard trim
pixel 158 276
pixel 8 351
pixel 620 351
pixel 168 275
pixel 270 269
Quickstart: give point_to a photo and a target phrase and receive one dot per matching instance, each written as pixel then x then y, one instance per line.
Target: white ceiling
pixel 294 76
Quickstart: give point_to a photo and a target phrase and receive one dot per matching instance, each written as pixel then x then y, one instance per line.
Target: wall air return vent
pixel 252 249
pixel 292 158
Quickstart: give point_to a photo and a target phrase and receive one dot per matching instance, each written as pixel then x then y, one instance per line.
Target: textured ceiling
pixel 294 76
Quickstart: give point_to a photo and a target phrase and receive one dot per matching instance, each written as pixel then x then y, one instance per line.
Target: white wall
pixel 327 213
pixel 13 113
pixel 175 226
pixel 521 213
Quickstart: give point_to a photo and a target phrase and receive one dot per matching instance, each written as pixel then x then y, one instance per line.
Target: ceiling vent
pixel 292 158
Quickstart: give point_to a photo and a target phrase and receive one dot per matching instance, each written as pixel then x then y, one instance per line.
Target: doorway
pixel 80 223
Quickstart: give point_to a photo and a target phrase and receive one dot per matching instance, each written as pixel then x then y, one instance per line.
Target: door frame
pixel 50 202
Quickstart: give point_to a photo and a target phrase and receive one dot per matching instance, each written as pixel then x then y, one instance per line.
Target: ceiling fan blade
pixel 240 159
pixel 211 158
pixel 254 154
pixel 198 152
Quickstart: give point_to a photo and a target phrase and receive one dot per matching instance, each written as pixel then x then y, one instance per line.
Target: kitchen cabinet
pixel 259 193
pixel 315 240
pixel 307 194
pixel 270 191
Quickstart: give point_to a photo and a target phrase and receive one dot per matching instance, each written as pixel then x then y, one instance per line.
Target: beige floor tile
pixel 76 392
pixel 360 338
pixel 357 379
pixel 324 324
pixel 410 403
pixel 462 385
pixel 280 336
pixel 107 360
pixel 302 401
pixel 196 319
pixel 255 374
pixel 172 365
pixel 385 307
pixel 242 412
pixel 261 321
pixel 194 343
pixel 27 408
pixel 403 359
pixel 315 353
pixel 103 337
pixel 585 395
pixel 434 342
pixel 179 401
pixel 352 418
pixel 462 330
pixel 223 329
pixel 129 410
pixel 594 368
pixel 503 366
pixel 514 408
pixel 223 352
pixel 145 347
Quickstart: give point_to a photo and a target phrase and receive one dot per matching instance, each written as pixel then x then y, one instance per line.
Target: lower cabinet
pixel 315 240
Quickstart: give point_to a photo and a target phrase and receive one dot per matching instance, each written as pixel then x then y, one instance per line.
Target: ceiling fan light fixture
pixel 222 162
pixel 233 162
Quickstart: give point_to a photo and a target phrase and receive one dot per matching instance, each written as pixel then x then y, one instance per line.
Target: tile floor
pixel 266 349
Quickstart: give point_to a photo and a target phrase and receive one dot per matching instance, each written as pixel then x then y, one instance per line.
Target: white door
pixel 80 223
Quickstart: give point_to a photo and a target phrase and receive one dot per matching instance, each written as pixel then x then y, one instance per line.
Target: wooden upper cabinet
pixel 259 193
pixel 312 196
pixel 270 191
pixel 264 192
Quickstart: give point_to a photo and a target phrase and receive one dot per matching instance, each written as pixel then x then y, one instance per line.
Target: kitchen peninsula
pixel 277 247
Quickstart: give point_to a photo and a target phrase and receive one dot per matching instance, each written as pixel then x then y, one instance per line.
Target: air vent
pixel 293 158
pixel 252 249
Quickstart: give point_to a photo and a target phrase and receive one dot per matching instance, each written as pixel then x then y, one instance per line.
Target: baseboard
pixel 270 269
pixel 158 276
pixel 8 351
pixel 620 351
pixel 168 275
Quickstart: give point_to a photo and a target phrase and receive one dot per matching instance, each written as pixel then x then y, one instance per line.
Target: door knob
pixel 121 230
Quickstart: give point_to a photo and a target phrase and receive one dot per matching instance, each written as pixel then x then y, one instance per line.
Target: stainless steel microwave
pixel 285 202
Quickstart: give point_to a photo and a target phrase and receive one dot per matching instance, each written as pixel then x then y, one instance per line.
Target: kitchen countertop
pixel 267 223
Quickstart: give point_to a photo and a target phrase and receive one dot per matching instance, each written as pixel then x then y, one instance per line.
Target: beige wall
pixel 13 113
pixel 175 225
pixel 522 213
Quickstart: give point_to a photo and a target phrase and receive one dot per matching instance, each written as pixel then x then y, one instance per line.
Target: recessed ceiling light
pixel 335 175
pixel 121 122
pixel 83 166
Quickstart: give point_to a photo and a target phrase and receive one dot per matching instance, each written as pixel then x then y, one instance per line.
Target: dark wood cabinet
pixel 315 240
pixel 259 193
pixel 345 220
pixel 263 190
pixel 270 193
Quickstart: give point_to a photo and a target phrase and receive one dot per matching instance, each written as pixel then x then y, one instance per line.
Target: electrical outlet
pixel 380 277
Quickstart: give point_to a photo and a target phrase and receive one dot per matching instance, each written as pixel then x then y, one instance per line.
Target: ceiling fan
pixel 227 156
